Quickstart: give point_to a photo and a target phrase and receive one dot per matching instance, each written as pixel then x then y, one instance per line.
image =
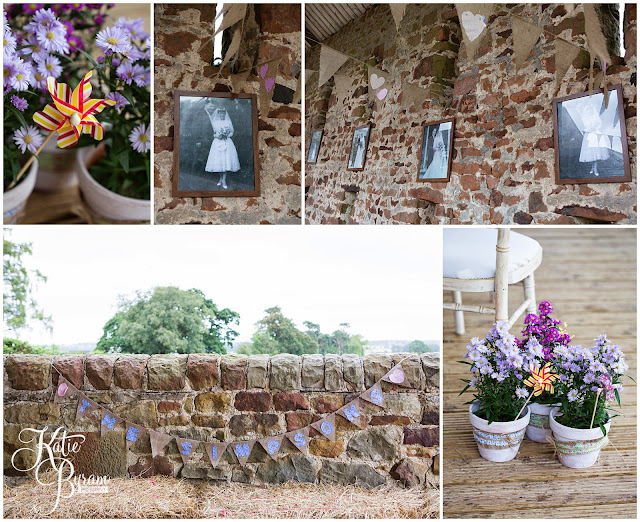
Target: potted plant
pixel 498 413
pixel 541 335
pixel 591 382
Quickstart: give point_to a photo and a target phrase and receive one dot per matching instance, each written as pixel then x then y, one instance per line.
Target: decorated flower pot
pixel 498 441
pixel 538 429
pixel 577 448
pixel 103 201
pixel 57 169
pixel 14 200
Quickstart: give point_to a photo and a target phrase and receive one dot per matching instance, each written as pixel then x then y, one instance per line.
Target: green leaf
pixel 18 115
pixel 123 159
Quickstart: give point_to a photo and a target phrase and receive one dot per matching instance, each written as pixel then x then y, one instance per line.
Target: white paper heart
pixel 382 93
pixel 396 376
pixel 376 81
pixel 473 24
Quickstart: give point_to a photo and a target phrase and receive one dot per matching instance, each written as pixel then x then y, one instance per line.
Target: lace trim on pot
pixel 498 440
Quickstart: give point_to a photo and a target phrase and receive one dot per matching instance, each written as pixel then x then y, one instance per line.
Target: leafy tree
pixel 325 341
pixel 278 334
pixel 169 320
pixel 19 304
pixel 418 347
pixel 10 345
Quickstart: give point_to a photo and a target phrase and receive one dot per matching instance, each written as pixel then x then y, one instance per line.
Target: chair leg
pixel 457 299
pixel 530 293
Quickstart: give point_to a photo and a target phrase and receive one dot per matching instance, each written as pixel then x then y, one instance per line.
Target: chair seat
pixel 470 253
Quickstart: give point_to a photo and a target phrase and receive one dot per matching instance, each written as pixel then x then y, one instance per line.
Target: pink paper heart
pixel 263 70
pixel 269 83
pixel 381 94
pixel 62 389
pixel 396 376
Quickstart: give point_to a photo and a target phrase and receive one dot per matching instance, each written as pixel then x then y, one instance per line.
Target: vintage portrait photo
pixel 435 152
pixel 216 145
pixel 591 138
pixel 359 143
pixel 314 146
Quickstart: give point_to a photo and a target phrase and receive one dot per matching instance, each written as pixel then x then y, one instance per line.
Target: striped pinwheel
pixel 72 113
pixel 541 379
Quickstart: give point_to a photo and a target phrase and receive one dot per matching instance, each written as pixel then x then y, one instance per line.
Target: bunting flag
pixel 268 72
pixel 379 84
pixel 308 73
pixel 238 80
pixel 297 95
pixel 397 376
pixel 242 450
pixel 525 36
pixel 108 421
pixel 214 451
pixel 85 406
pixel 159 442
pixel 231 15
pixel 300 439
pixel 413 95
pixel 374 395
pixel 565 54
pixel 473 19
pixel 65 390
pixel 133 433
pixel 272 445
pixel 397 11
pixel 341 84
pixel 569 8
pixel 351 412
pixel 234 47
pixel 326 427
pixel 186 447
pixel 330 61
pixel 595 37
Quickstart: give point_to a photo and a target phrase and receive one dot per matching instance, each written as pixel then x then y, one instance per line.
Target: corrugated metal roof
pixel 323 20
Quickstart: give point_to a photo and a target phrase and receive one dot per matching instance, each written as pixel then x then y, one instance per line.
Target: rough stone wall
pixel 503 168
pixel 233 397
pixel 183 54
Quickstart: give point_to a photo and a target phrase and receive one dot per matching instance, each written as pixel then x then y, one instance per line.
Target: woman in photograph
pixel 438 166
pixel 595 145
pixel 357 154
pixel 223 156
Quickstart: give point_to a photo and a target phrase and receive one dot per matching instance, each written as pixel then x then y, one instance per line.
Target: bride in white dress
pixel 438 166
pixel 223 156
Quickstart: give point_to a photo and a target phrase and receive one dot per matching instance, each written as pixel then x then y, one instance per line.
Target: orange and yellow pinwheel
pixel 72 113
pixel 541 380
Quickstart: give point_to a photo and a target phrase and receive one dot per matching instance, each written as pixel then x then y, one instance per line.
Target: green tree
pixel 278 334
pixel 10 345
pixel 418 347
pixel 169 320
pixel 325 341
pixel 19 304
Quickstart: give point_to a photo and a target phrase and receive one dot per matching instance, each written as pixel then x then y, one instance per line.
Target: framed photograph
pixel 314 146
pixel 215 150
pixel 436 150
pixel 591 139
pixel 359 145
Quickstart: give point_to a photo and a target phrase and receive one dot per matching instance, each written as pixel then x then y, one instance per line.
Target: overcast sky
pixel 384 281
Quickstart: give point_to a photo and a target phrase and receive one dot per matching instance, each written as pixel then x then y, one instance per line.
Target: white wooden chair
pixel 470 264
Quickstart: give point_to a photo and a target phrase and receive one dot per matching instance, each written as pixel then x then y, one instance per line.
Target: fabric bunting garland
pixel 186 447
pixel 231 15
pixel 271 445
pixel 300 439
pixel 374 395
pixel 525 36
pixel 65 390
pixel 133 433
pixel 159 441
pixel 326 426
pixel 234 47
pixel 397 11
pixel 214 451
pixel 413 95
pixel 238 80
pixel 379 84
pixel 330 61
pixel 565 54
pixel 473 19
pixel 242 450
pixel 268 73
pixel 351 412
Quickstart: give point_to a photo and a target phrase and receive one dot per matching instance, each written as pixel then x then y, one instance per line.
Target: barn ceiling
pixel 323 20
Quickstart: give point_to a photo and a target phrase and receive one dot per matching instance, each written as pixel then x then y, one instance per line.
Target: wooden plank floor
pixel 589 276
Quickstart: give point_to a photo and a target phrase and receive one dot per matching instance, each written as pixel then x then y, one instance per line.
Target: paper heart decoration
pixel 376 81
pixel 263 70
pixel 62 389
pixel 396 376
pixel 382 93
pixel 269 83
pixel 473 24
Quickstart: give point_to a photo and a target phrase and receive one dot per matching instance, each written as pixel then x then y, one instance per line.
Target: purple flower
pixel 75 43
pixel 53 38
pixel 19 103
pixel 140 138
pixel 127 72
pixel 99 19
pixel 23 75
pixel 50 67
pixel 28 138
pixel 31 8
pixel 113 39
pixel 120 100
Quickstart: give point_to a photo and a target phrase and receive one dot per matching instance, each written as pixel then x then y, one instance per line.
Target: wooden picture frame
pixel 214 131
pixel 436 151
pixel 363 141
pixel 591 141
pixel 314 145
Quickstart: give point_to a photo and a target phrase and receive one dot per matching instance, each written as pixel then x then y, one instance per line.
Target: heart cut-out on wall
pixel 376 81
pixel 396 376
pixel 473 24
pixel 269 83
pixel 381 94
pixel 263 70
pixel 62 389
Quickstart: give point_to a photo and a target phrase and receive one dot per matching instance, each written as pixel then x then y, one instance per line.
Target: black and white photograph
pixel 435 152
pixel 591 138
pixel 314 146
pixel 216 147
pixel 359 144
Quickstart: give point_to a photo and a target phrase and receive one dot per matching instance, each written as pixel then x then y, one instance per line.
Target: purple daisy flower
pixel 54 38
pixel 23 75
pixel 120 100
pixel 19 103
pixel 50 67
pixel 114 39
pixel 140 139
pixel 28 138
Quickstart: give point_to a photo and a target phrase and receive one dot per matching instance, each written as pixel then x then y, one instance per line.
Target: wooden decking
pixel 589 276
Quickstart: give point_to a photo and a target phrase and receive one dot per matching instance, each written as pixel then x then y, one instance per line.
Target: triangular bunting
pixel 85 406
pixel 397 11
pixel 297 95
pixel 595 37
pixel 159 442
pixel 108 421
pixel 565 54
pixel 268 73
pixel 341 83
pixel 215 451
pixel 242 450
pixel 271 445
pixel 186 447
pixel 330 61
pixel 231 15
pixel 65 390
pixel 413 95
pixel 379 84
pixel 326 426
pixel 133 433
pixel 525 37
pixel 234 47
pixel 300 439
pixel 307 75
pixel 473 19
pixel 397 376
pixel 238 81
pixel 352 413
pixel 374 395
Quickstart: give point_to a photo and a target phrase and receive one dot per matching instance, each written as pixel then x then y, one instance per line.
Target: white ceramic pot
pixel 104 202
pixel 498 441
pixel 577 448
pixel 538 429
pixel 57 168
pixel 14 200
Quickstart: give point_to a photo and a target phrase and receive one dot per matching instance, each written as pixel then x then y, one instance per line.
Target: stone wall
pixel 183 55
pixel 503 168
pixel 233 397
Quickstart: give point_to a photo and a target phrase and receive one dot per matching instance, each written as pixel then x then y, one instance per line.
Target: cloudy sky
pixel 384 281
